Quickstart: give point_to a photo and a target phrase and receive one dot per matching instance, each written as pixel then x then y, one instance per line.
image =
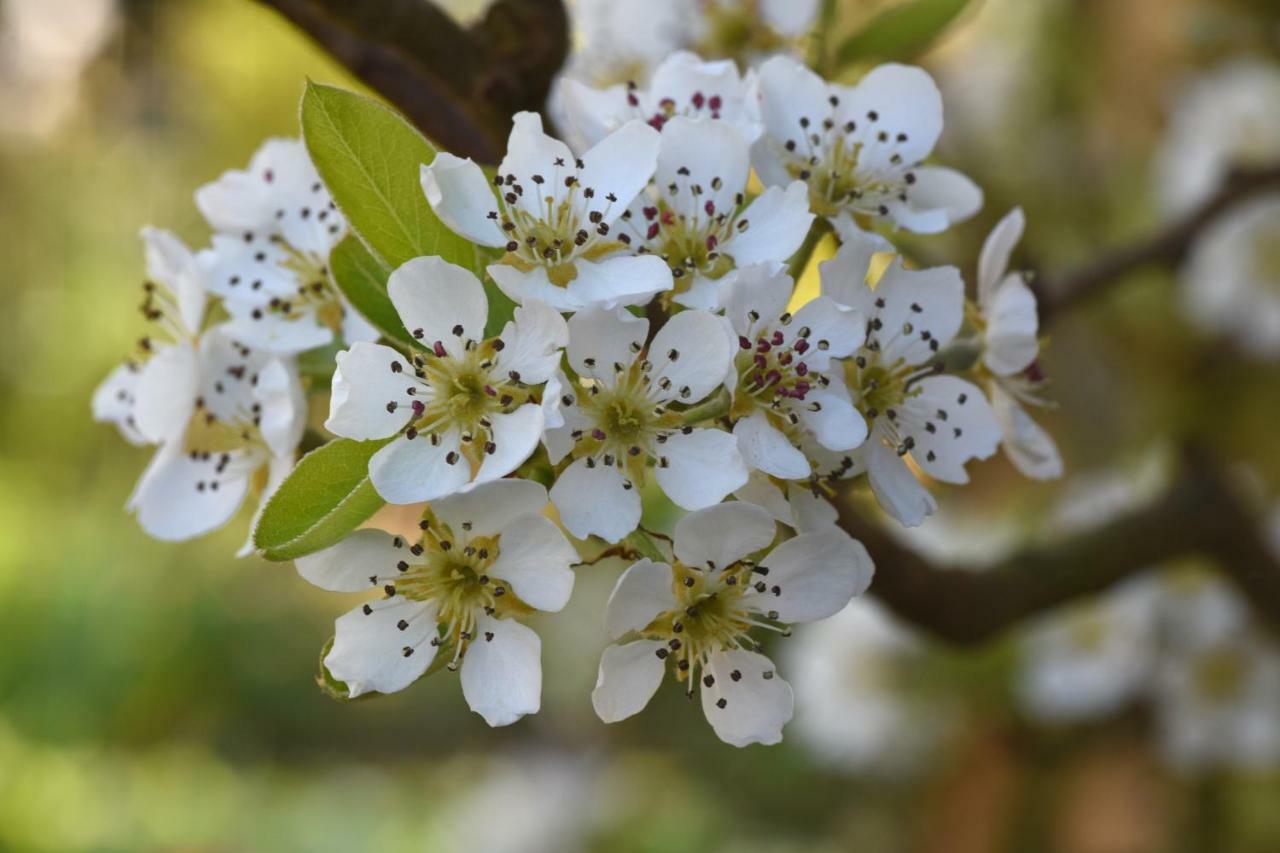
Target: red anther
pixel 778 338
pixel 772 377
pixel 698 100
pixel 657 122
pixel 652 232
pixel 712 242
pixel 763 346
pixel 801 346
pixel 632 99
pixel 715 102
pixel 597 434
pixel 438 349
pixel 710 207
pixel 668 218
pixel 802 369
pixel 1033 372
pixel 650 212
pixel 488 389
pixel 784 359
pixel 761 361
pixel 419 407
pixel 743 342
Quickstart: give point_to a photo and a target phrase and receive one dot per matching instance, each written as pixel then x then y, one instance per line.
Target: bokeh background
pixel 161 697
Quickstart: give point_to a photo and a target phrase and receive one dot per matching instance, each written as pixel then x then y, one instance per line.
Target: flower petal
pixel 461 196
pixel 113 402
pixel 411 470
pixel 938 189
pixel 502 671
pixel 183 495
pixel 1012 326
pixel 812 576
pixel 166 393
pixel 964 427
pixel 535 558
pixel 789 92
pixel 777 222
pixel 617 168
pixel 439 301
pixel 996 249
pixel 692 351
pixel 746 701
pixel 897 490
pixel 702 467
pixel 515 435
pixel 170 262
pixel 713 156
pixel 488 508
pixel 284 407
pixel 349 565
pixel 919 312
pixel 629 676
pixel 837 330
pixel 365 382
pixel 905 102
pixel 600 338
pixel 1029 447
pixel 761 288
pixel 718 536
pixel 371 652
pixel 596 501
pixel 837 425
pixel 532 343
pixel 643 592
pixel 766 448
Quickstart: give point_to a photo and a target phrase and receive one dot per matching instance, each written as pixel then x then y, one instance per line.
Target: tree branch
pixel 1198 515
pixel 1167 247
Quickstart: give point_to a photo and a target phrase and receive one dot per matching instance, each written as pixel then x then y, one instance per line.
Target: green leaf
pixel 371 160
pixel 326 497
pixel 900 33
pixel 363 280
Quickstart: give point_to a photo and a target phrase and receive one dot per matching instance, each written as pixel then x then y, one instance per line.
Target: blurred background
pixel 161 697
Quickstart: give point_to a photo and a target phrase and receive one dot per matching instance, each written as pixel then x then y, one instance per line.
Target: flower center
pixel 772 372
pixel 738 30
pixel 668 107
pixel 688 232
pixel 878 389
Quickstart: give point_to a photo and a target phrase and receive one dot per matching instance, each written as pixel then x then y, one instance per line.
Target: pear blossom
pixel 555 215
pixel 781 379
pixel 751 30
pixel 940 422
pixel 859 147
pixel 276 224
pixel 621 40
pixel 1009 324
pixel 139 395
pixel 485 559
pixel 631 412
pixel 232 418
pixel 700 610
pixel 695 218
pixel 463 409
pixel 682 85
pixel 1231 280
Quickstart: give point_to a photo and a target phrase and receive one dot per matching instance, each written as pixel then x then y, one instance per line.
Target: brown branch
pixel 459 86
pixel 1198 514
pixel 1167 247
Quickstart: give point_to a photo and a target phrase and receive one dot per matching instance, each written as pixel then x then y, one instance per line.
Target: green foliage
pixel 326 497
pixel 363 280
pixel 371 160
pixel 900 33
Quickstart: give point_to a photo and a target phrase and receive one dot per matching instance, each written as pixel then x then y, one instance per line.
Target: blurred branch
pixel 1167 247
pixel 1198 515
pixel 459 85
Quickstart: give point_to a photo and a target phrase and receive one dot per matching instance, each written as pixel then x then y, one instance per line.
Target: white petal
pixel 532 343
pixel 905 100
pixel 812 576
pixel 1012 326
pixel 596 501
pixel 276 333
pixel 922 311
pixel 249 272
pixel 629 676
pixel 777 222
pixel 284 407
pixel 349 565
pixel 530 151
pixel 757 703
pixel 1031 450
pixel 369 645
pixel 461 196
pixel 642 593
pixel 968 431
pixel 439 301
pixel 996 249
pixel 180 497
pixel 502 671
pixel 113 402
pixel 534 557
pixel 810 511
pixel 620 165
pixel 761 491
pixel 788 92
pixel 599 338
pixel 166 393
pixel 363 384
pixel 702 467
pixel 355 327
pixel 411 470
pixel 515 435
pixel 762 288
pixel 488 508
pixel 619 279
pixel 594 113
pixel 170 262
pixel 897 490
pixel 837 425
pixel 716 537
pixel 844 277
pixel 693 352
pixel 937 188
pixel 766 448
pixel 713 155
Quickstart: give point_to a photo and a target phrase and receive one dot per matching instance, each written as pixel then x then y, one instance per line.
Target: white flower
pixel 621 40
pixel 485 559
pixel 463 408
pixel 270 259
pixel 693 215
pixel 859 148
pixel 139 395
pixel 1090 659
pixel 1231 281
pixel 683 85
pixel 629 415
pixel 555 215
pixel 940 421
pixel 781 378
pixel 699 612
pixel 751 30
pixel 1219 706
pixel 1010 326
pixel 230 415
pixel 1224 120
pixel 852 675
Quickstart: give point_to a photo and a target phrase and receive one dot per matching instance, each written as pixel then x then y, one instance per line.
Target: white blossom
pixel 859 148
pixel 700 610
pixel 463 409
pixel 555 215
pixel 484 560
pixel 695 216
pixel 939 421
pixel 269 260
pixel 630 413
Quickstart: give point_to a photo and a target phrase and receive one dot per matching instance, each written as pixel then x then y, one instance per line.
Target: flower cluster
pixel 657 363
